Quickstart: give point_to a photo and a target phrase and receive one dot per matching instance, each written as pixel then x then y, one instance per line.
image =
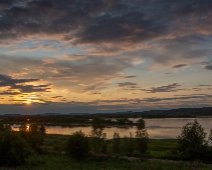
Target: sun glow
pixel 28 102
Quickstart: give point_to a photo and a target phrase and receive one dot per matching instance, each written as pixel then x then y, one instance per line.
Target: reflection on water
pixel 156 128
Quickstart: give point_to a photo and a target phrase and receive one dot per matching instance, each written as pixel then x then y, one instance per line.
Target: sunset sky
pixel 88 56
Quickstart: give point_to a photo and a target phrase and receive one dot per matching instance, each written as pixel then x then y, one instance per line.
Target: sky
pixel 94 56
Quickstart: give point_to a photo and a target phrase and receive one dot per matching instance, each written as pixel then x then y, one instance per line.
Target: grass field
pixel 161 148
pixel 55 161
pixel 54 158
pixel 157 148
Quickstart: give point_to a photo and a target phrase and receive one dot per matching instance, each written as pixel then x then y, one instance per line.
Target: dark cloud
pixel 209 67
pixel 127 84
pixel 99 21
pixel 128 27
pixel 31 88
pixel 46 17
pixel 55 97
pixel 127 77
pixel 179 98
pixel 186 49
pixel 179 65
pixel 18 86
pixel 9 93
pixel 6 1
pixel 168 88
pixel 155 99
pixel 191 8
pixel 8 81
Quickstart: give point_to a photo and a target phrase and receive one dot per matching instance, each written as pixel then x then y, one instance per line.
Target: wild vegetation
pixel 32 148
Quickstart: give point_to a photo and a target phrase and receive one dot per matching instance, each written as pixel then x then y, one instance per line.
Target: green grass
pixel 58 161
pixel 157 148
pixel 161 148
pixel 55 159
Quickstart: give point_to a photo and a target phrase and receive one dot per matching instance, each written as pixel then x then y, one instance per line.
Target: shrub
pixel 78 146
pixel 210 137
pixel 142 140
pixel 34 136
pixel 140 124
pixel 97 135
pixel 191 141
pixel 116 143
pixel 128 144
pixel 13 149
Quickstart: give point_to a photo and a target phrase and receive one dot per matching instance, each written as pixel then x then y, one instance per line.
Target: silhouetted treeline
pixel 122 118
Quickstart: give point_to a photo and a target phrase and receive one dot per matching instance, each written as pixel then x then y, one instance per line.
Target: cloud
pixel 9 93
pixel 168 88
pixel 179 65
pixel 97 21
pixel 93 72
pixel 127 84
pixel 83 48
pixel 111 26
pixel 188 50
pixel 18 86
pixel 185 97
pixel 32 88
pixel 8 81
pixel 127 77
pixel 209 67
pixel 129 27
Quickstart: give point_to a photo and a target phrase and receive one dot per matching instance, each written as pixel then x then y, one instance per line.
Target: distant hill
pixel 180 112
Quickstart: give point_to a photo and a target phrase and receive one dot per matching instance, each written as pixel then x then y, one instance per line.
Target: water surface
pixel 156 128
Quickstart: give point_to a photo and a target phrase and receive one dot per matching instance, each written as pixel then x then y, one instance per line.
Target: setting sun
pixel 28 102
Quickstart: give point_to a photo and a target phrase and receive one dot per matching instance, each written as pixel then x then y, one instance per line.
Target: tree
pixel 42 129
pixel 78 146
pixel 97 135
pixel 4 127
pixel 123 120
pixel 191 142
pixel 34 136
pixel 116 143
pixel 98 123
pixel 210 137
pixel 14 150
pixel 210 141
pixel 142 137
pixel 141 124
pixel 142 140
pixel 128 144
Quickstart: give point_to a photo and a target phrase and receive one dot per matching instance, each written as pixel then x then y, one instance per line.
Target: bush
pixel 13 149
pixel 128 144
pixel 141 124
pixel 191 142
pixel 116 143
pixel 78 146
pixel 142 141
pixel 97 135
pixel 210 137
pixel 34 136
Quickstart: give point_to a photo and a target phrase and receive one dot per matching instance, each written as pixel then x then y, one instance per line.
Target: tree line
pixel 17 147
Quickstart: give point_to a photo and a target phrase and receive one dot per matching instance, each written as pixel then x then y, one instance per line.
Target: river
pixel 166 128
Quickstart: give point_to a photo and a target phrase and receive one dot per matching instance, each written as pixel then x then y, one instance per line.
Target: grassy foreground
pixel 55 161
pixel 157 148
pixel 54 158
